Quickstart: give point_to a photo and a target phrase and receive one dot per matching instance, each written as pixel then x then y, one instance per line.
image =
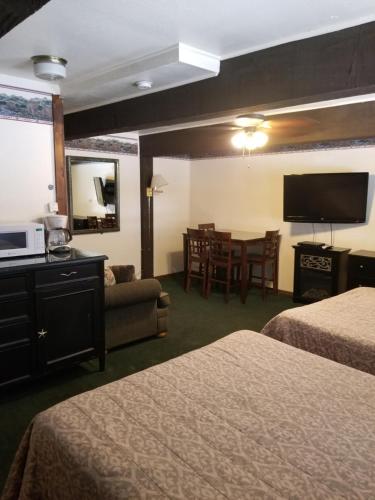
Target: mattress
pixel 341 328
pixel 246 417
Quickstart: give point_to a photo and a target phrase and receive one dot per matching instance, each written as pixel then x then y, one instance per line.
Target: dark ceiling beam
pixel 323 67
pixel 339 123
pixel 13 12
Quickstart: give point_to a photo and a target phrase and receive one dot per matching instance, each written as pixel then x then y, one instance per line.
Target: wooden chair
pixel 221 261
pixel 210 226
pixel 197 244
pixel 269 255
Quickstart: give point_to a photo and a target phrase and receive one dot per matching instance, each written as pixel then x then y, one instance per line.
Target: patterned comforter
pixel 340 328
pixel 243 418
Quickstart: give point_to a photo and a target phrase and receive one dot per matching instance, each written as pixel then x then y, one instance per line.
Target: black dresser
pixel 361 269
pixel 51 314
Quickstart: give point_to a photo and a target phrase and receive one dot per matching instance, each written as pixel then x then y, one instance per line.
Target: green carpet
pixel 194 322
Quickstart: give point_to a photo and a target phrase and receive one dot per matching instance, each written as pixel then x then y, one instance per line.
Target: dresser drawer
pixel 14 332
pixel 16 310
pixel 65 274
pixel 356 281
pixel 361 266
pixel 15 364
pixel 15 285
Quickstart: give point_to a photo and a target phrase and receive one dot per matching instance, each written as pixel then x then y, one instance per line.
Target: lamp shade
pixel 158 181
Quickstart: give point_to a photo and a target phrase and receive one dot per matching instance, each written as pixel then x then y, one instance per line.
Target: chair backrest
pixel 197 242
pixel 208 226
pixel 271 243
pixel 220 245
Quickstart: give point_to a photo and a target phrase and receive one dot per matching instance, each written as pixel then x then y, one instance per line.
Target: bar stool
pixel 197 244
pixel 221 261
pixel 269 255
pixel 208 226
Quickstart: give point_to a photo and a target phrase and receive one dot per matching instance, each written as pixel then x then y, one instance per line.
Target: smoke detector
pixel 49 67
pixel 143 84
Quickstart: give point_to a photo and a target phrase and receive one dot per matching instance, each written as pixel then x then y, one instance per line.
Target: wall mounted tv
pixel 332 198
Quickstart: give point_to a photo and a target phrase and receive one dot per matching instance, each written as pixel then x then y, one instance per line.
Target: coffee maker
pixel 57 234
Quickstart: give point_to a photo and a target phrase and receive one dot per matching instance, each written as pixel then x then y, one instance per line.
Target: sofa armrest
pixel 132 292
pixel 164 300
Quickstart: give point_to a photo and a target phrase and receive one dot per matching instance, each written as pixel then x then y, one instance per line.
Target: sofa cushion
pixel 109 277
pixel 124 274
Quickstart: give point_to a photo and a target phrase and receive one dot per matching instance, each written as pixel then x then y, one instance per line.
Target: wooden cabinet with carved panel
pixel 319 273
pixel 51 314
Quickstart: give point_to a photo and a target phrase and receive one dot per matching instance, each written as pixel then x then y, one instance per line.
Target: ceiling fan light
pixel 251 120
pixel 259 139
pixel 238 140
pixel 250 144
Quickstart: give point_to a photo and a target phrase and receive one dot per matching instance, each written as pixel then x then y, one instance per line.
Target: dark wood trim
pixel 13 12
pixel 147 215
pixel 340 126
pixel 59 147
pixel 328 66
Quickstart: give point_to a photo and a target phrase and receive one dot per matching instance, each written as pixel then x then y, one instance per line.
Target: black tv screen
pixel 339 198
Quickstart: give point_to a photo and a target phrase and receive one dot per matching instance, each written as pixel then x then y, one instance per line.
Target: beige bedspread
pixel 244 418
pixel 341 328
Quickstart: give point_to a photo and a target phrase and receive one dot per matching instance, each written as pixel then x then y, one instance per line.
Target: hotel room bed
pixel 341 328
pixel 243 418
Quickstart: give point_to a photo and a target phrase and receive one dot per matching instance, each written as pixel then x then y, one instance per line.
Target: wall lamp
pixel 157 182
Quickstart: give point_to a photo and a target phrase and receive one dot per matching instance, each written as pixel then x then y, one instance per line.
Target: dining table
pixel 241 240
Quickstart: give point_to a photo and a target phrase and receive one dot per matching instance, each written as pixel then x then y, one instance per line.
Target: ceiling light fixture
pixel 49 67
pixel 143 84
pixel 249 140
pixel 251 120
pixel 249 137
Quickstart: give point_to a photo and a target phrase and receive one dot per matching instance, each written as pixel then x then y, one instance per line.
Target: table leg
pixel 243 273
pixel 185 252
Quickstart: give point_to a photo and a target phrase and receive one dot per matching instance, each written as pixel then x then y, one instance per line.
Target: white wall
pixel 124 246
pixel 26 162
pixel 248 194
pixel 171 215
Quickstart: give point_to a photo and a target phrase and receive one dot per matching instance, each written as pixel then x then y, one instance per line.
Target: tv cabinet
pixel 51 314
pixel 319 273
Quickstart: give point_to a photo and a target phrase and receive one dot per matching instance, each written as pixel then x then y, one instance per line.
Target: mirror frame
pixel 90 159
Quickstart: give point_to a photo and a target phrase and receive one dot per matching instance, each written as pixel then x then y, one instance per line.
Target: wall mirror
pixel 93 194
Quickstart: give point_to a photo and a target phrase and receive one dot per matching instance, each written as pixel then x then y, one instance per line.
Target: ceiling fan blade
pixel 291 127
pixel 291 122
pixel 226 126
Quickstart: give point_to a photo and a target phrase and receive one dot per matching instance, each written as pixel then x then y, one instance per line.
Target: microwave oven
pixel 18 239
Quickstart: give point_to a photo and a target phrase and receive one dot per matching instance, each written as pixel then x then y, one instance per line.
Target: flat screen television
pixel 332 198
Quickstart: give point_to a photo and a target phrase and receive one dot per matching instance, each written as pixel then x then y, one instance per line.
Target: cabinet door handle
pixel 42 333
pixel 67 275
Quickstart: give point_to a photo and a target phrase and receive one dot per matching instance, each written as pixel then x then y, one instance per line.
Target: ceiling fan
pixel 253 129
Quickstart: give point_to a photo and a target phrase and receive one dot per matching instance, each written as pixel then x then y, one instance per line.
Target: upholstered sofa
pixel 135 309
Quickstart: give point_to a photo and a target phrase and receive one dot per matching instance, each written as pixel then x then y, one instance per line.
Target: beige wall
pixel 26 162
pixel 124 246
pixel 171 215
pixel 248 194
